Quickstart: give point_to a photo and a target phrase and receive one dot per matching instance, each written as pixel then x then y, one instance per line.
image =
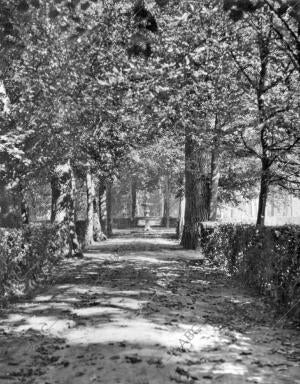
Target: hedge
pixel 27 256
pixel 264 258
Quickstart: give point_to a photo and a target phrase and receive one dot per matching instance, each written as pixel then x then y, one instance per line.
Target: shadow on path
pixel 142 310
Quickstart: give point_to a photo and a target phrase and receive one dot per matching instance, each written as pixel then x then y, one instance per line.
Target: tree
pixel 79 93
pixel 273 130
pixel 109 208
pixel 196 192
pixel 60 87
pixel 90 192
pixel 286 21
pixel 62 210
pixel 205 89
pixel 37 103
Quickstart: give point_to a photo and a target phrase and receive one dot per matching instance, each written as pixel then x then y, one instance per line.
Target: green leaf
pixel 53 13
pixel 23 6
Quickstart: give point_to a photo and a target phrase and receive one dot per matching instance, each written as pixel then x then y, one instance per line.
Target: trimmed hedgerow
pixel 27 256
pixel 265 258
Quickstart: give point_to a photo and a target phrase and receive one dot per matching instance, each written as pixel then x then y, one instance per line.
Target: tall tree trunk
pixel 102 203
pixel 55 193
pixel 109 208
pixel 196 192
pixel 4 99
pixel 214 169
pixel 75 245
pixel 161 200
pixel 23 204
pixel 60 185
pixel 214 183
pixel 3 204
pixel 298 44
pixel 89 228
pixel 180 224
pixel 263 45
pixel 63 211
pixel 263 193
pixel 24 211
pixel 10 213
pixel 167 201
pixel 133 199
pixel 98 234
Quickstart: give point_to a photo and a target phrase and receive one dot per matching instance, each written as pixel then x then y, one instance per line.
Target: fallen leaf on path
pixel 133 359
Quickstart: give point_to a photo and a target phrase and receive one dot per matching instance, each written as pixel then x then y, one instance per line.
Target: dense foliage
pixel 151 92
pixel 266 259
pixel 27 257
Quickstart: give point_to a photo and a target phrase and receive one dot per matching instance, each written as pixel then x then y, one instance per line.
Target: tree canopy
pixel 130 86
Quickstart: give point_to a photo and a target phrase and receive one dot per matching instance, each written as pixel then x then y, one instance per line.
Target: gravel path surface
pixel 141 310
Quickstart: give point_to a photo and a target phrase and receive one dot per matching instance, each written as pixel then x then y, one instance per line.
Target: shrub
pixel 267 259
pixel 27 256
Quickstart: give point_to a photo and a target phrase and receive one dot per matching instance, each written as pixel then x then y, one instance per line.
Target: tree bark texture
pixel 180 224
pixel 133 199
pixel 63 209
pixel 102 203
pixel 167 201
pixel 266 161
pixel 4 99
pixel 75 248
pixel 109 208
pixel 98 234
pixel 61 188
pixel 89 227
pixel 263 194
pixel 214 169
pixel 214 183
pixel 24 208
pixel 10 212
pixel 196 192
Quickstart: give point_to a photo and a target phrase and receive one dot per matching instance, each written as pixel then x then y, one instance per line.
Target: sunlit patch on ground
pixel 230 369
pixel 143 311
pixel 43 298
pixel 141 331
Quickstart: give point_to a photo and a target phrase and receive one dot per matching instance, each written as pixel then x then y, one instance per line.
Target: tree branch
pixel 250 149
pixel 293 56
pixel 242 69
pixel 293 34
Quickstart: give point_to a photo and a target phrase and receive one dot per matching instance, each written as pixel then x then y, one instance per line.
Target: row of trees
pixel 204 95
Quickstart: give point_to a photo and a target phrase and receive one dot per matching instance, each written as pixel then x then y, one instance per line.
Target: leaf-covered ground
pixel 142 310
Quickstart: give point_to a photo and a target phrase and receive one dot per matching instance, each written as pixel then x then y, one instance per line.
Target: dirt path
pixel 144 311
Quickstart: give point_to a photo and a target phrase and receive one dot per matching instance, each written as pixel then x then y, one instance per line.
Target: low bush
pixel 27 256
pixel 267 258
